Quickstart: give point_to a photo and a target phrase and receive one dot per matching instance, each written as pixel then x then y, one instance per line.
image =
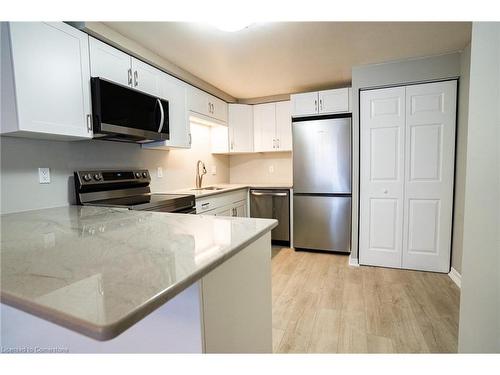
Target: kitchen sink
pixel 209 188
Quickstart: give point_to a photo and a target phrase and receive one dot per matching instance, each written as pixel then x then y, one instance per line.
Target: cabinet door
pixel 218 108
pixel 334 101
pixel 146 78
pixel 382 116
pixel 240 128
pixel 429 172
pixel 50 69
pixel 110 63
pixel 219 139
pixel 224 211
pixel 283 126
pixel 240 209
pixel 198 101
pixel 304 104
pixel 264 122
pixel 174 91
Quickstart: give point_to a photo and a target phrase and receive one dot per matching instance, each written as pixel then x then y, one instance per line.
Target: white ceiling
pixel 285 57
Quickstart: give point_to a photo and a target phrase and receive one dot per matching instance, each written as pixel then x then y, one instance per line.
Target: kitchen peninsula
pixel 95 279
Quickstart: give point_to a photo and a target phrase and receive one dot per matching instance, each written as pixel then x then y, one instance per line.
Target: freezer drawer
pixel 272 204
pixel 322 222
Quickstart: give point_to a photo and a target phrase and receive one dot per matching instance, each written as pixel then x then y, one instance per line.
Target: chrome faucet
pixel 199 177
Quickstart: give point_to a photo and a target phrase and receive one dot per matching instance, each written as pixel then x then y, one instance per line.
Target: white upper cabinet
pixel 264 122
pixel 45 81
pixel 175 91
pixel 305 104
pixel 283 126
pixel 114 65
pixel 147 78
pixel 207 105
pixel 272 127
pixel 321 102
pixel 110 63
pixel 240 123
pixel 334 101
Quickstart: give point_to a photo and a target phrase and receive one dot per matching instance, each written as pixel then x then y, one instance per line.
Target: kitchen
pixel 314 217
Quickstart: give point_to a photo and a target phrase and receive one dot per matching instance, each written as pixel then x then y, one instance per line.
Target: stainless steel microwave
pixel 124 114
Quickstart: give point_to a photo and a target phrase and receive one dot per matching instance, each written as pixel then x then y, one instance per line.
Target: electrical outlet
pixel 214 170
pixel 271 169
pixel 159 172
pixel 44 175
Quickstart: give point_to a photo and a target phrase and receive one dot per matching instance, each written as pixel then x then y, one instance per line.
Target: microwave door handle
pixel 162 116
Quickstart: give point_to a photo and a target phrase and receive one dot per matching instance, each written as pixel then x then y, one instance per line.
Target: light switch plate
pixel 44 175
pixel 271 169
pixel 214 170
pixel 159 172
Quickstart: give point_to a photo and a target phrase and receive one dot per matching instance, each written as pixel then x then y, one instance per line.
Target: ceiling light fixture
pixel 230 26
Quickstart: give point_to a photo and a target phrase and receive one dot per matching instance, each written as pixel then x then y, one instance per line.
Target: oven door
pixel 123 114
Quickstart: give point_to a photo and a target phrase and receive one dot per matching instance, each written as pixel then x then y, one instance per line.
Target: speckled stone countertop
pixel 227 188
pixel 99 270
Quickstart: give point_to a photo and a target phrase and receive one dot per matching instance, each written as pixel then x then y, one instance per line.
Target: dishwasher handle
pixel 268 193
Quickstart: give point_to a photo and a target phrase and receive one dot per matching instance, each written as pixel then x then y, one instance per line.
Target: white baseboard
pixel 353 262
pixel 456 277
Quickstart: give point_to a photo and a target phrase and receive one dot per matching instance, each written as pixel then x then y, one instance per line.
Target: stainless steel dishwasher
pixel 272 204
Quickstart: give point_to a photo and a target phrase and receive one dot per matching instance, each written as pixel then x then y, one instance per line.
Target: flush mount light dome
pixel 230 26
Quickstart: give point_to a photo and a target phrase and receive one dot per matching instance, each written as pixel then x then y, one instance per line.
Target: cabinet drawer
pixel 219 200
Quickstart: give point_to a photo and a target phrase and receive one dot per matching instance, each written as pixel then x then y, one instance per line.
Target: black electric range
pixel 127 189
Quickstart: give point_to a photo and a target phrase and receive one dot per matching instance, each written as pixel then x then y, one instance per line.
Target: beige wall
pixel 479 328
pixel 255 168
pixel 21 158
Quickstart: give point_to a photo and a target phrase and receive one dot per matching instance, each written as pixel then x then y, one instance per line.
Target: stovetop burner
pixel 127 189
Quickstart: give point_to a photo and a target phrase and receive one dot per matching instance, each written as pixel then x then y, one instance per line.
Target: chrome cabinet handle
pixel 190 139
pixel 89 123
pixel 162 116
pixel 136 80
pixel 278 143
pixel 316 105
pixel 321 104
pixel 209 108
pixel 130 77
pixel 274 142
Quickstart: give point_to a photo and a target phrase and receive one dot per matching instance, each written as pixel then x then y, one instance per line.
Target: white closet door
pixel 382 115
pixel 429 170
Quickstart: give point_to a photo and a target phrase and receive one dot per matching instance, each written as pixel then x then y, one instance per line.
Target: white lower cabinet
pixel 406 176
pixel 233 203
pixel 45 81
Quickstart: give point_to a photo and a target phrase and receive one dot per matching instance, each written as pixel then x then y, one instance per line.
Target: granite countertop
pixel 227 188
pixel 99 270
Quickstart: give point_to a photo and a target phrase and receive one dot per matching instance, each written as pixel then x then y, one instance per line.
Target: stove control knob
pixel 137 175
pixel 87 177
pixel 97 177
pixel 145 174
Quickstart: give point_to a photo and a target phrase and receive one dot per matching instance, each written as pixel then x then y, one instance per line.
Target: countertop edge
pixel 209 193
pixel 108 332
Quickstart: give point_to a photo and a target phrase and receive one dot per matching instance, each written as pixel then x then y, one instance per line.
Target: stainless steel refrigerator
pixel 322 184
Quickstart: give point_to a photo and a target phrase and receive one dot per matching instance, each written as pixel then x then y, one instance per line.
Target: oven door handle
pixel 162 116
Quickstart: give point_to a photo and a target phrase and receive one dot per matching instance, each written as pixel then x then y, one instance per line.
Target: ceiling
pixel 284 57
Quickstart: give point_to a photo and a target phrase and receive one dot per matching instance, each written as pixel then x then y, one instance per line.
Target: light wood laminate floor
pixel 323 305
